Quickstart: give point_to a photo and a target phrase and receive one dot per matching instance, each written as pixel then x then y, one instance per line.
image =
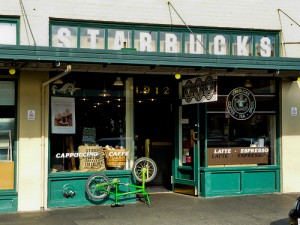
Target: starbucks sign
pixel 240 103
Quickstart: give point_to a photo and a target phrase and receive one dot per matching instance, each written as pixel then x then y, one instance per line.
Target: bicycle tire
pixel 95 192
pixel 149 165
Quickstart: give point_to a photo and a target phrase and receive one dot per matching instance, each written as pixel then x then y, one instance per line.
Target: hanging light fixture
pixel 12 69
pixel 118 82
pixel 58 81
pixel 104 93
pixel 248 84
pixel 177 76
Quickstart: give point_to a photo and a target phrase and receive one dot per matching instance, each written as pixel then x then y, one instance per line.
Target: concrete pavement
pixel 169 209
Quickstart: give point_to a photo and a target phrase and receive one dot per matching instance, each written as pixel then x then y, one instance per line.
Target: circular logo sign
pixel 240 103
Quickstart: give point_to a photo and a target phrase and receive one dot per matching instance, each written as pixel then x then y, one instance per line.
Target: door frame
pixel 181 172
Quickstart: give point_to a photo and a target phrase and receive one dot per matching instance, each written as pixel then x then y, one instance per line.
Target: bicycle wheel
pixel 97 186
pixel 144 163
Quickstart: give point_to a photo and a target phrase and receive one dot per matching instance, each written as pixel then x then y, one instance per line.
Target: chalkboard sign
pixel 89 135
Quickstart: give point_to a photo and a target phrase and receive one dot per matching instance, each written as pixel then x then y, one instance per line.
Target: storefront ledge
pixel 7 194
pixel 8 201
pixel 187 168
pixel 79 174
pixel 60 182
pixel 238 168
pixel 229 181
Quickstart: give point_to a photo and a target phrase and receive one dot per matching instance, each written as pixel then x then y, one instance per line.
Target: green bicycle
pixel 99 186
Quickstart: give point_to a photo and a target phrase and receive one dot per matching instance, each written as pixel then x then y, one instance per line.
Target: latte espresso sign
pixel 238 155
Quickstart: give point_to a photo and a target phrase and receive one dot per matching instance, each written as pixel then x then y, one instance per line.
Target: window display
pixel 88 131
pixel 7 133
pixel 245 132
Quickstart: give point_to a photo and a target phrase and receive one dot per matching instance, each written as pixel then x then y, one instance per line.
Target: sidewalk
pixel 169 209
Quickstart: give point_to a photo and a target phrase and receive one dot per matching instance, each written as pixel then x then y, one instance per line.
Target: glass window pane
pixel 249 141
pixel 10 31
pixel 218 44
pixel 265 46
pixel 170 42
pixel 7 93
pixel 242 45
pixel 92 38
pixel 195 43
pixel 249 137
pixel 64 36
pixel 118 39
pixel 145 41
pixel 101 118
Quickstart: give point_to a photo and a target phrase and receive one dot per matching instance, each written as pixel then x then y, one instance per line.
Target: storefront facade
pixel 215 108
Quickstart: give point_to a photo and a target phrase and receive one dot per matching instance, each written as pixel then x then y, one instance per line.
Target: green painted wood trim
pixel 8 201
pixel 77 180
pixel 240 182
pixel 184 181
pixel 186 168
pixel 87 174
pixel 141 58
pixel 6 193
pixel 240 168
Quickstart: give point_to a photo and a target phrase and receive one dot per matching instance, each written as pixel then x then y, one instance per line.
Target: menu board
pixel 89 135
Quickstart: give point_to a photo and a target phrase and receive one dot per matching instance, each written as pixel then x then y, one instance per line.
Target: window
pixel 8 30
pixel 145 41
pixel 7 132
pixel 88 117
pixel 64 36
pixel 249 141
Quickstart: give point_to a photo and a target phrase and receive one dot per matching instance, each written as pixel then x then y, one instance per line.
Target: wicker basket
pixel 115 158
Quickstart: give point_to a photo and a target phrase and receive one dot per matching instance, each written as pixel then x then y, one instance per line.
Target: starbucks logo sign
pixel 240 103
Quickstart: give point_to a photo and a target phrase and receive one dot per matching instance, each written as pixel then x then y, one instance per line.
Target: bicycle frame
pixel 116 183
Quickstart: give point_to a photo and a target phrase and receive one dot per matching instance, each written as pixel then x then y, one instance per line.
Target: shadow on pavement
pixel 285 221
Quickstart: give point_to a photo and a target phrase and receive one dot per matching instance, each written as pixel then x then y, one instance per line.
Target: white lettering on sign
pixel 79 154
pixel 254 150
pixel 93 34
pixel 265 47
pixel 242 45
pixel 64 37
pixel 195 44
pixel 171 41
pixel 119 40
pixel 222 151
pixel 219 45
pixel 145 42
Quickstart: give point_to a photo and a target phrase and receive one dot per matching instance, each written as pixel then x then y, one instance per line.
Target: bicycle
pixel 99 186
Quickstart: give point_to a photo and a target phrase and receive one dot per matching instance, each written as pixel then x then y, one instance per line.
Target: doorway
pixel 155 127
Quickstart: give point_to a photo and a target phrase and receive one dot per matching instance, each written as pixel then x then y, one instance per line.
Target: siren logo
pixel 241 103
pixel 200 89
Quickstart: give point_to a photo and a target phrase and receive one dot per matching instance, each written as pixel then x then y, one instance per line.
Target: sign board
pixel 241 103
pixel 63 115
pixel 238 155
pixel 91 158
pixel 89 135
pixel 199 90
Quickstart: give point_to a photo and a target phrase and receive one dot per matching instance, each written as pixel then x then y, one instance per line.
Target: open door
pixel 185 176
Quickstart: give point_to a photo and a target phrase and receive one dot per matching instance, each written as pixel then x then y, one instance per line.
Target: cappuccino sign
pixel 240 103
